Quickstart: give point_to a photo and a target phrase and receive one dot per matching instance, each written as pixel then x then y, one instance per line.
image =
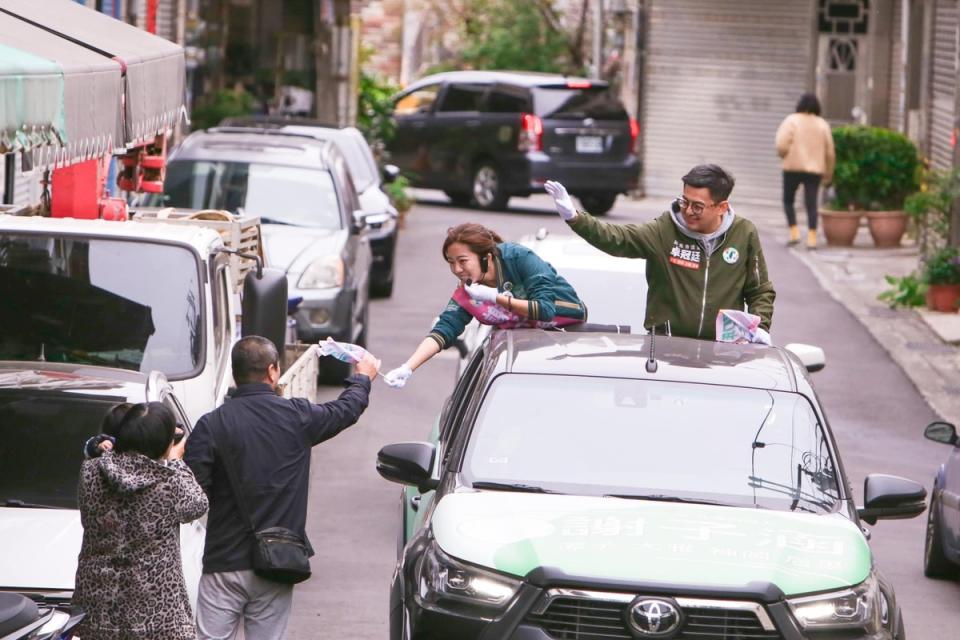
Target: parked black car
pixel 484 136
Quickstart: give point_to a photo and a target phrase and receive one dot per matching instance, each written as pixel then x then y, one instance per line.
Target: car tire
pixel 458 198
pixel 935 562
pixel 382 288
pixel 488 193
pixel 597 204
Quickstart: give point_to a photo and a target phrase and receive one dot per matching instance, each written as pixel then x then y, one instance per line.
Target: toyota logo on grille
pixel 653 617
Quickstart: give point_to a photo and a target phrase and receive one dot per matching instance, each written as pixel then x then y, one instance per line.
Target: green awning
pixel 31 101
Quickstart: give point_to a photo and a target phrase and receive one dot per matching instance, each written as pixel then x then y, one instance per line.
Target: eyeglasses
pixel 697 207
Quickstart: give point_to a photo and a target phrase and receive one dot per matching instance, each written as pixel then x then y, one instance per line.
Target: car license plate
pixel 589 144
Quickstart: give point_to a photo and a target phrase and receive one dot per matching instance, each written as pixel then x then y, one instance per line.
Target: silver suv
pixel 312 221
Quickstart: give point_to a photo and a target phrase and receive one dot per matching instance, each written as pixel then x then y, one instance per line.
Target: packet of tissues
pixel 344 351
pixel 740 327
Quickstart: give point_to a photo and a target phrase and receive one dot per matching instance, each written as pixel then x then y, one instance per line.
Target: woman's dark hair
pixel 477 237
pixel 147 428
pixel 808 104
pixel 111 422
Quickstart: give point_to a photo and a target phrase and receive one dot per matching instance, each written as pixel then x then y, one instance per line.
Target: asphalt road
pixel 874 411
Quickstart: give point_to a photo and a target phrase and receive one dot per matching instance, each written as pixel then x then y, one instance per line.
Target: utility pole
pixel 597 66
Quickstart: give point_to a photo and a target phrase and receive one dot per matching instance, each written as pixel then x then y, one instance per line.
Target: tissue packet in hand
pixel 343 351
pixel 740 327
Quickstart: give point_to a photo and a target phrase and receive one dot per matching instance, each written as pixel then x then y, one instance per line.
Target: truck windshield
pixel 115 303
pixel 657 439
pixel 280 194
pixel 56 424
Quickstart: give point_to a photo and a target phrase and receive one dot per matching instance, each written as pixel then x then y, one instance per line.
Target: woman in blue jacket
pixel 501 284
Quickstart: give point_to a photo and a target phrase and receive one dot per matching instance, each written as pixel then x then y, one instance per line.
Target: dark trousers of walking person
pixel 811 187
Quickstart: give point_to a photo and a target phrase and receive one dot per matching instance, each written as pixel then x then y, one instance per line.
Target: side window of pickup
pixel 461 398
pixel 170 401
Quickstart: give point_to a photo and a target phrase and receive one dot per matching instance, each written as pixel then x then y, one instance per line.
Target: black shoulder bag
pixel 279 554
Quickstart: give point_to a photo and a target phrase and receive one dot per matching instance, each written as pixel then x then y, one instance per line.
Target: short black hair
pixel 808 103
pixel 251 357
pixel 111 422
pixel 147 428
pixel 713 177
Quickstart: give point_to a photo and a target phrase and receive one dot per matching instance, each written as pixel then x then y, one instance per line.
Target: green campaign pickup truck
pixel 581 486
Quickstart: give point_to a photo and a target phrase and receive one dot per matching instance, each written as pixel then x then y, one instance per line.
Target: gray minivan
pixel 484 136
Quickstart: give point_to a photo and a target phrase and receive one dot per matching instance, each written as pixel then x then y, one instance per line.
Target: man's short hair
pixel 714 178
pixel 251 357
pixel 147 428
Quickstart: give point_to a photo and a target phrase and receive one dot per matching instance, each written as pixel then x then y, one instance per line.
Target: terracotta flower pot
pixel 840 227
pixel 887 227
pixel 943 297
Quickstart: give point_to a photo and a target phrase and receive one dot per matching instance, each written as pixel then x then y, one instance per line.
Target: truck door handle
pixel 419 125
pixel 415 502
pixel 473 123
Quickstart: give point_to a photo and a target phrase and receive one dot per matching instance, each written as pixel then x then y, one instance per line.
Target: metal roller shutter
pixel 943 79
pixel 719 79
pixel 167 19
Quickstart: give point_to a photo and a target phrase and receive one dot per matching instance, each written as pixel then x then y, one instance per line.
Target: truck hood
pixel 293 248
pixel 651 542
pixel 39 548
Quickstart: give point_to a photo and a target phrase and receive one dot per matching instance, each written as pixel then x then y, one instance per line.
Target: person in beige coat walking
pixel 805 145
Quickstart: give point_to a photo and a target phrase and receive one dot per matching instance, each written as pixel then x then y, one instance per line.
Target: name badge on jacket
pixel 685 255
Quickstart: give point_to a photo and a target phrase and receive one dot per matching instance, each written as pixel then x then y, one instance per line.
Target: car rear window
pixel 564 102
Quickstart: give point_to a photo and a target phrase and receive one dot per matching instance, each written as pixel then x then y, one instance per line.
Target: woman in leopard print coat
pixel 132 502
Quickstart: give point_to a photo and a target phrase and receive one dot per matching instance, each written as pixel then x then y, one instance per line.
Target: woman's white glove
pixel 482 293
pixel 761 336
pixel 561 199
pixel 398 377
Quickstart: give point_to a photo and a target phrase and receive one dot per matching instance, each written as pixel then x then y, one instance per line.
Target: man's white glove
pixel 398 377
pixel 561 199
pixel 761 336
pixel 482 293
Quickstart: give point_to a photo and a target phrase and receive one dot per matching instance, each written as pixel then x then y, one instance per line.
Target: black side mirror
pixel 408 463
pixel 265 306
pixel 943 432
pixel 891 498
pixel 390 172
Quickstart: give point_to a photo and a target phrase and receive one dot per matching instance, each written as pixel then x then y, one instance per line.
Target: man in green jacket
pixel 700 256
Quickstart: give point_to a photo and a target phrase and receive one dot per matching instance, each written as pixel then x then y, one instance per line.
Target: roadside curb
pixel 931 365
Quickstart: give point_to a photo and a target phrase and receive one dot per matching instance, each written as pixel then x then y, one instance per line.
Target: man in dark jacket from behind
pixel 268 440
pixel 700 256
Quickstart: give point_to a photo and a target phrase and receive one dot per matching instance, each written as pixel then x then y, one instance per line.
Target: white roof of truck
pixel 199 238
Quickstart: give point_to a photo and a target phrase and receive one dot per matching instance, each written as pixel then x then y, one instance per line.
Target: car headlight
pixel 323 273
pixel 858 607
pixel 446 583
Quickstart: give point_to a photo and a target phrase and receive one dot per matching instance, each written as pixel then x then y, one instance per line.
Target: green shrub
pixel 876 168
pixel 374 110
pixel 908 291
pixel 399 194
pixel 943 267
pixel 213 107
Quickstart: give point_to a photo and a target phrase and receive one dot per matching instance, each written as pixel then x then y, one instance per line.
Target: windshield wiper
pixel 276 221
pixel 506 486
pixel 20 504
pixel 660 497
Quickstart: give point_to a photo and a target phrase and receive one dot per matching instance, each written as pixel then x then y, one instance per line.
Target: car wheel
pixel 382 288
pixel 458 198
pixel 935 562
pixel 597 204
pixel 488 191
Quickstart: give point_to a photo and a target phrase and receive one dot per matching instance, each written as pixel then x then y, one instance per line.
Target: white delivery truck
pixel 161 292
pixel 93 313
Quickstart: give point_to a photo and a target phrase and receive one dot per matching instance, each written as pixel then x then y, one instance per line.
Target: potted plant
pixel 876 169
pixel 399 194
pixel 942 274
